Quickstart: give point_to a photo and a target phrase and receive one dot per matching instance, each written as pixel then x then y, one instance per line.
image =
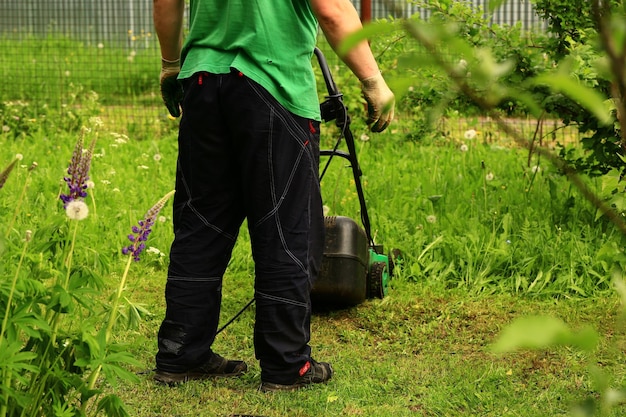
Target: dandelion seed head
pixel 489 176
pixel 19 156
pixel 157 157
pixel 162 219
pixel 5 129
pixel 90 184
pixel 100 45
pixel 470 134
pixel 77 210
pixel 431 219
pixel 464 148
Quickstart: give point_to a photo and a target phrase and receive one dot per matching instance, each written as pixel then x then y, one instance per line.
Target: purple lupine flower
pixel 4 175
pixel 78 172
pixel 140 233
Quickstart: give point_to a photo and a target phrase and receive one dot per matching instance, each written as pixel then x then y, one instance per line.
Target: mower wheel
pixel 376 279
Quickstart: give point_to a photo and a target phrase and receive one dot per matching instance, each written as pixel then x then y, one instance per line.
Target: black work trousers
pixel 243 156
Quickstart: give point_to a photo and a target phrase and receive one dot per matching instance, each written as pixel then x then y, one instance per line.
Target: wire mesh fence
pixel 59 53
pixel 510 12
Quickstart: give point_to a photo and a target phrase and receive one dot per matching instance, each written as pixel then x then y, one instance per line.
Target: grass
pixel 420 351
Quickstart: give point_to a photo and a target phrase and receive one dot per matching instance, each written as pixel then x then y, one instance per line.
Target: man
pixel 249 149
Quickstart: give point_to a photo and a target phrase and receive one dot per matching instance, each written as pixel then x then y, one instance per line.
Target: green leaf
pixel 531 333
pixel 112 406
pixel 541 332
pixel 494 4
pixel 587 97
pixel 369 31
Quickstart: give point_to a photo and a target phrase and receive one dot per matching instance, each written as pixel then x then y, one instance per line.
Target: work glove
pixel 380 102
pixel 171 88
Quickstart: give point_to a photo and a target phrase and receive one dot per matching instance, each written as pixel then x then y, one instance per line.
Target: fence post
pixel 366 10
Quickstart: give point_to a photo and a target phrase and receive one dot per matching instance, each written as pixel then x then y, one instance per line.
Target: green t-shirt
pixel 270 41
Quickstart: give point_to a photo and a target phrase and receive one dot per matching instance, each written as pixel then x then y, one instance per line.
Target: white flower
pixel 464 148
pixel 489 176
pixel 365 137
pixel 77 210
pixel 19 156
pixel 155 251
pixel 162 219
pixel 470 134
pixel 157 157
pixel 96 121
pixel 431 219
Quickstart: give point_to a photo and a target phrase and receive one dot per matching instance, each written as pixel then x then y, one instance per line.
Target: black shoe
pixel 311 373
pixel 216 367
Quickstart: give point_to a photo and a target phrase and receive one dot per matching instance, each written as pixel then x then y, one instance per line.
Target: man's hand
pixel 171 89
pixel 380 102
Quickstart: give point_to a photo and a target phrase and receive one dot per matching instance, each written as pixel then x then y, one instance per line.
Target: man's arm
pixel 168 24
pixel 338 19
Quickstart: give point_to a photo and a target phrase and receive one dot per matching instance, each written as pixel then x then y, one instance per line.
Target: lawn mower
pixel 354 268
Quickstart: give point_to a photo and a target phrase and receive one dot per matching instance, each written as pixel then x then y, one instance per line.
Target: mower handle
pixel 331 87
pixel 333 108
